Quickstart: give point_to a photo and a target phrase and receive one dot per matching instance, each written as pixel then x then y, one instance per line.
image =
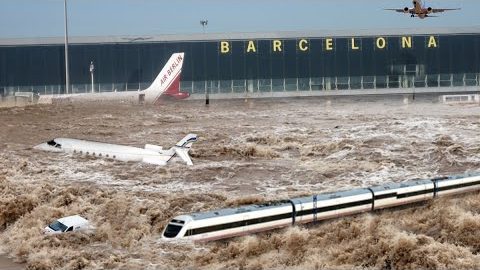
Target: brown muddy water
pixel 247 152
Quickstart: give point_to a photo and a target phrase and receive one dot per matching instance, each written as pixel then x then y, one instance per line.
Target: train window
pixel 241 210
pixel 172 230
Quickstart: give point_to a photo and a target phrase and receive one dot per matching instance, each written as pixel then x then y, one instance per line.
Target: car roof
pixel 73 220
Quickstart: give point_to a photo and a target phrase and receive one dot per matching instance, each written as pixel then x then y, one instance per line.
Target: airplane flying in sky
pixel 166 85
pixel 420 10
pixel 152 154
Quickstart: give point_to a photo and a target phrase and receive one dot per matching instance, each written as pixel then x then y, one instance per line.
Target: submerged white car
pixel 67 224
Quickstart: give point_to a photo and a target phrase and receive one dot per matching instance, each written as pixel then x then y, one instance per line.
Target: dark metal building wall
pixel 141 62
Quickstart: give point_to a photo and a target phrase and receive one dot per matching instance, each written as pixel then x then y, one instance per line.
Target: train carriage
pixel 332 205
pixel 231 222
pixel 401 193
pixel 457 184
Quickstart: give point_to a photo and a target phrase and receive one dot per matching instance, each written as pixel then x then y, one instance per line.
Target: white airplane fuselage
pixel 151 154
pixel 107 150
pixel 166 85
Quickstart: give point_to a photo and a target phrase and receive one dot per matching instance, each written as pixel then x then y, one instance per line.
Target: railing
pixel 274 85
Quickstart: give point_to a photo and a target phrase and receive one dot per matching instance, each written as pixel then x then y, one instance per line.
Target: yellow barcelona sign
pixel 328 44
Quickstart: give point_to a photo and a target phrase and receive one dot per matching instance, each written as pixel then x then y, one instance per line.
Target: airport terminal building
pixel 239 64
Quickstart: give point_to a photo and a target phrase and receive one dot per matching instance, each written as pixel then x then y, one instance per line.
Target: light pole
pixel 204 23
pixel 92 67
pixel 67 79
pixel 207 96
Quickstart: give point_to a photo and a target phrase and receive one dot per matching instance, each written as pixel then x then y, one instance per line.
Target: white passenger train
pixel 230 222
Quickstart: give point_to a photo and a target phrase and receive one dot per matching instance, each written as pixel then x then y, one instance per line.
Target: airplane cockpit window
pixel 54 144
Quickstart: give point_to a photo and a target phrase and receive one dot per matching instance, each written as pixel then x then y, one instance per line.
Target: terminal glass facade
pixel 257 65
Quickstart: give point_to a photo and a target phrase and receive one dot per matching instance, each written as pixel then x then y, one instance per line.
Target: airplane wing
pixel 397 10
pixel 438 10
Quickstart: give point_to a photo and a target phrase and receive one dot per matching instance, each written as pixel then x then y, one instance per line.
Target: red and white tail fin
pixel 167 81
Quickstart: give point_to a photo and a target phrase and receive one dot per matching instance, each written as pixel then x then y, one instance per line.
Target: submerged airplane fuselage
pixel 166 85
pixel 151 154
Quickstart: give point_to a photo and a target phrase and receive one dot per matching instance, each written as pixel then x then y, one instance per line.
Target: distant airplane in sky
pixel 166 85
pixel 420 10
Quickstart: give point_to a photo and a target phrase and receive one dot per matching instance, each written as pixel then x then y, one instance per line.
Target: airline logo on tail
pixel 172 68
pixel 167 82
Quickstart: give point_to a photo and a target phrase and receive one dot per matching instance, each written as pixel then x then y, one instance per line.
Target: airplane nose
pixel 42 146
pixel 46 147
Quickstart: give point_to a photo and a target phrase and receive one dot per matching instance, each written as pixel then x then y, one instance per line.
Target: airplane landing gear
pixel 412 15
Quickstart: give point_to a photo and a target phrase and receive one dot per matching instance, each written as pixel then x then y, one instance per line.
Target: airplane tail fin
pixel 183 146
pixel 168 80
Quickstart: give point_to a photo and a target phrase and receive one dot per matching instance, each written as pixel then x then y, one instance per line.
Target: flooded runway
pixel 248 151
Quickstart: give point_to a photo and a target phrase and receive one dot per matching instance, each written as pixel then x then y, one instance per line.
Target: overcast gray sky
pixel 42 18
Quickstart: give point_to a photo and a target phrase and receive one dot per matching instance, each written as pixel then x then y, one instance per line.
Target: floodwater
pixel 248 151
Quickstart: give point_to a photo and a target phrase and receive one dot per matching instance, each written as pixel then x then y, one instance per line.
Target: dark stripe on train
pixel 403 195
pixel 333 207
pixel 458 186
pixel 384 196
pixel 237 224
pixel 415 193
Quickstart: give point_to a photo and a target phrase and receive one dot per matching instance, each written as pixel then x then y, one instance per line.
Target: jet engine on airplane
pixel 429 10
pixel 406 9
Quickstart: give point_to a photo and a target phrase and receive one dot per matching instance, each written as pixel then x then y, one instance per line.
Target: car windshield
pixel 172 230
pixel 58 226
